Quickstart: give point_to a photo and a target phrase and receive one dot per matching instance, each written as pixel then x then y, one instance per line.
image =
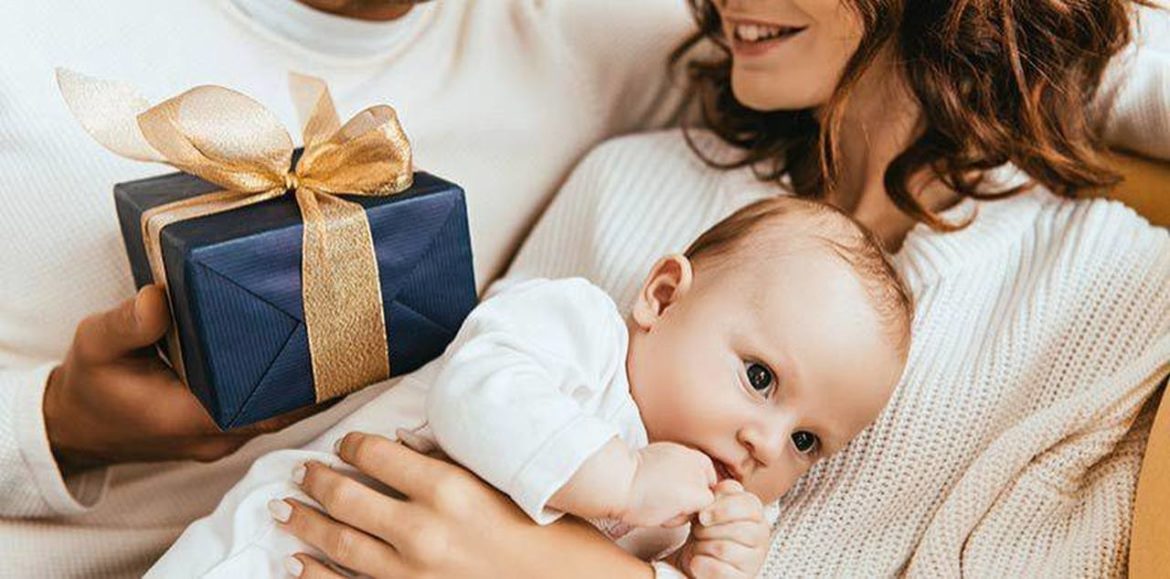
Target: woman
pixel 1042 324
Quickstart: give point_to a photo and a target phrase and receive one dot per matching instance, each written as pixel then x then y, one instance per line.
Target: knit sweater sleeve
pixel 31 484
pixel 1133 103
pixel 1052 494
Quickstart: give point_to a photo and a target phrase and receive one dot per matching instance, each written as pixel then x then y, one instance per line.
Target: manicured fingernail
pixel 136 309
pixel 298 474
pixel 294 566
pixel 705 517
pixel 279 510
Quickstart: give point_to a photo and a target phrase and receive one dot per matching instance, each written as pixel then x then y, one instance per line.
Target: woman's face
pixel 788 54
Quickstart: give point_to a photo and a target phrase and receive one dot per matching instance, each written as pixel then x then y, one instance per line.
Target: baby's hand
pixel 730 538
pixel 670 483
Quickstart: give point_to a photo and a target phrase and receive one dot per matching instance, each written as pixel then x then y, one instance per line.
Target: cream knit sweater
pixel 1028 322
pixel 1011 446
pixel 500 96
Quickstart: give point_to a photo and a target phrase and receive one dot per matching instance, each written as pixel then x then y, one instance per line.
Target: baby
pixel 773 341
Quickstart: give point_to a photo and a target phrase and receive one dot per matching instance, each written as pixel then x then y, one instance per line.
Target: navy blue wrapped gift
pixel 234 280
pixel 292 277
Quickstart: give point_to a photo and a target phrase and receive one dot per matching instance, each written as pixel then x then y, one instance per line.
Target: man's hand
pixel 729 539
pixel 671 483
pixel 113 400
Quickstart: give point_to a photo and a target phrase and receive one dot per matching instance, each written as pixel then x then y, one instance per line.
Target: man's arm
pixel 31 484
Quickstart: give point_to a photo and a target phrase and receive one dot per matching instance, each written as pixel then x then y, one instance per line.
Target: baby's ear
pixel 669 280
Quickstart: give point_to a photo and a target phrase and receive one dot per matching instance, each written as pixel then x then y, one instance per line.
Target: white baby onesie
pixel 533 384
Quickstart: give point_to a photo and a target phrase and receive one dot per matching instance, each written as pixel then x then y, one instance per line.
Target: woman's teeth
pixel 759 32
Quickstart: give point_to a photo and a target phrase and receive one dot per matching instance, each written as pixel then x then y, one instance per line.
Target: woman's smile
pixel 752 38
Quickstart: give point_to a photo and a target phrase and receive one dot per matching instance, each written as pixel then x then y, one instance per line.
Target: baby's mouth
pixel 722 472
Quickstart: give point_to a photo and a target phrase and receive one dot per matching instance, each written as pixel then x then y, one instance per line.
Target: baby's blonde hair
pixel 825 225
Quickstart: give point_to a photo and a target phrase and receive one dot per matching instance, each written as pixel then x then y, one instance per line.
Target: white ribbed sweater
pixel 500 96
pixel 55 185
pixel 1013 442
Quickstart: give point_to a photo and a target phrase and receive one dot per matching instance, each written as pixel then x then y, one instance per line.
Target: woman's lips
pixel 761 46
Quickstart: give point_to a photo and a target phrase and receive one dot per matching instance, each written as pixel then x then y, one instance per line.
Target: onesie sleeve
pixel 511 401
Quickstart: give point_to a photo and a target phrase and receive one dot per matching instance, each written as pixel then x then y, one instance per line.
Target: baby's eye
pixel 804 441
pixel 759 376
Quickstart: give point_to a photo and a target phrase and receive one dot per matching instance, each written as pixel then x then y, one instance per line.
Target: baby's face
pixel 767 368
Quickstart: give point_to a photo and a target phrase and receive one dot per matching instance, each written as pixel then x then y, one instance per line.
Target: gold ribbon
pixel 231 140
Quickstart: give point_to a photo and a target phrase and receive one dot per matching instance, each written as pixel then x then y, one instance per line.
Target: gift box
pixel 293 277
pixel 234 281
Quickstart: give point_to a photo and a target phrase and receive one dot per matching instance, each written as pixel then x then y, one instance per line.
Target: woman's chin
pixel 777 95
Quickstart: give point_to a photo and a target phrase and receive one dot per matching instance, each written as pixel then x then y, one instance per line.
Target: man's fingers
pixel 213 448
pixel 306 567
pixel 342 544
pixel 392 463
pixel 136 323
pixel 356 504
pixel 285 420
pixel 746 533
pixel 174 409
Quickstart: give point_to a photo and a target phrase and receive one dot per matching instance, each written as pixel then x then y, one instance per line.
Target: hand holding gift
pixel 293 279
pixel 113 400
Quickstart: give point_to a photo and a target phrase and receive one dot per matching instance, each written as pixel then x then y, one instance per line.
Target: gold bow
pixel 231 140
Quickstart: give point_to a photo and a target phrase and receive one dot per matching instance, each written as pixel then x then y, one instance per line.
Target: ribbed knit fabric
pixel 571 72
pixel 1012 445
pixel 500 96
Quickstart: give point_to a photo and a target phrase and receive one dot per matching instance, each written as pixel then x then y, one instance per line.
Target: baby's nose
pixel 766 444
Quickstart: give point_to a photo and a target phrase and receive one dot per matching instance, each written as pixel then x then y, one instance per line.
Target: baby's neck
pixel 631 337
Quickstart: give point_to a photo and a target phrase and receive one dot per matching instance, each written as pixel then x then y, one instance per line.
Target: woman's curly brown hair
pixel 998 81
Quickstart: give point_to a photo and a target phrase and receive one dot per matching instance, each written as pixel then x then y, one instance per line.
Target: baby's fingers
pixel 708 567
pixel 732 507
pixel 746 533
pixel 744 559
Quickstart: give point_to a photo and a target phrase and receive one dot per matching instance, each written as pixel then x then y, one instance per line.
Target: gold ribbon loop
pixel 227 138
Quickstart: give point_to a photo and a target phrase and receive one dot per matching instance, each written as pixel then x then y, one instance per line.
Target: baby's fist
pixel 730 538
pixel 671 482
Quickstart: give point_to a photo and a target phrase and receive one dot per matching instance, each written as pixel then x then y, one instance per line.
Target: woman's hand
pixel 449 524
pixel 113 400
